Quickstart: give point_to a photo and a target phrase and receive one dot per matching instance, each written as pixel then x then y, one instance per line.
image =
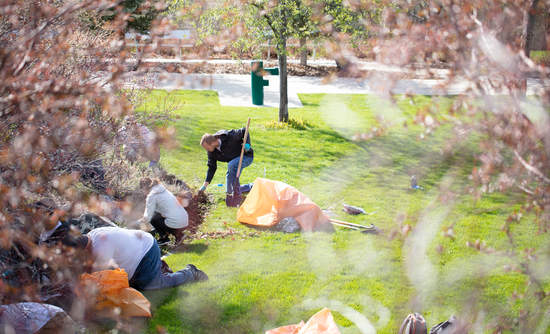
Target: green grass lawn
pixel 261 279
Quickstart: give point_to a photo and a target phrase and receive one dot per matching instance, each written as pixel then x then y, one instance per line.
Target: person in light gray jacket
pixel 135 251
pixel 163 210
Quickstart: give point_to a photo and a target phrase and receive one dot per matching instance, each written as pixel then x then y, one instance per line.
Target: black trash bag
pixel 83 224
pixel 30 318
pixel 89 221
pixel 414 323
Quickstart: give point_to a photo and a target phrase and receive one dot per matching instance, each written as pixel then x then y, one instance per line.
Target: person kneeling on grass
pixel 163 210
pixel 225 146
pixel 135 251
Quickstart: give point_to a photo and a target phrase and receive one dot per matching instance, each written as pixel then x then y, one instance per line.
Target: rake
pixel 235 199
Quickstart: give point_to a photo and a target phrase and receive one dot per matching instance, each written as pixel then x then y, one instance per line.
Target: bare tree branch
pixel 528 191
pixel 530 168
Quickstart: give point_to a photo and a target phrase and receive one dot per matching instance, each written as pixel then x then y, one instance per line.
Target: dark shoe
pixel 246 188
pixel 198 275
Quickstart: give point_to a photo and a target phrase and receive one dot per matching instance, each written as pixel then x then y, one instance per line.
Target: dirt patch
pixel 197 208
pixel 197 211
pixel 128 209
pixel 230 233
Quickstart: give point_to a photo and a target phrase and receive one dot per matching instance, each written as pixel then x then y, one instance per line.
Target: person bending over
pixel 225 146
pixel 163 210
pixel 135 251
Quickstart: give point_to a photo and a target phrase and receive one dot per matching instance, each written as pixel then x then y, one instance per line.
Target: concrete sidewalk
pixel 235 89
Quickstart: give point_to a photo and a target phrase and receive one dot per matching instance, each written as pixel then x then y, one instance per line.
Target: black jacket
pixel 232 142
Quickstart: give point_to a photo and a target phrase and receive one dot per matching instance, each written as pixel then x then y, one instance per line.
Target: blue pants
pixel 231 175
pixel 148 275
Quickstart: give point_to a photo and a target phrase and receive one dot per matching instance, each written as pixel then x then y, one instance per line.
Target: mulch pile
pixel 197 210
pixel 351 70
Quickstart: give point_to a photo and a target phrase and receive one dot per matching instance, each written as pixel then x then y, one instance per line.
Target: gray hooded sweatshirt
pixel 161 200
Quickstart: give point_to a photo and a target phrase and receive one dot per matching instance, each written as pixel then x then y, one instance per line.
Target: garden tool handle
pixel 242 149
pixel 341 222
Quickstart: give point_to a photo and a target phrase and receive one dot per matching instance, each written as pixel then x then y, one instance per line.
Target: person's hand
pixel 247 147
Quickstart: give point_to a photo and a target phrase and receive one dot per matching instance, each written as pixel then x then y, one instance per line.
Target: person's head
pixel 67 236
pixel 209 142
pixel 79 242
pixel 147 183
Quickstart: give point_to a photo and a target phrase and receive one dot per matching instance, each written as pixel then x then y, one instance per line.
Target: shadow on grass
pixel 164 297
pixel 197 316
pixel 190 248
pixel 424 158
pixel 306 100
pixel 333 136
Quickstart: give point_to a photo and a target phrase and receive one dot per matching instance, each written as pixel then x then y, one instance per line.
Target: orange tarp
pixel 270 201
pixel 321 323
pixel 109 291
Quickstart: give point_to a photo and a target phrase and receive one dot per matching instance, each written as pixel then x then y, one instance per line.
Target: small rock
pixel 288 225
pixel 354 210
pixel 29 317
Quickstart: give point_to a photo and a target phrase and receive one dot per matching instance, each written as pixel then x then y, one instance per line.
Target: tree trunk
pixel 303 52
pixel 283 87
pixel 535 27
pixel 540 26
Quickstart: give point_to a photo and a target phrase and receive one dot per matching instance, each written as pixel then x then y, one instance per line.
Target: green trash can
pixel 258 81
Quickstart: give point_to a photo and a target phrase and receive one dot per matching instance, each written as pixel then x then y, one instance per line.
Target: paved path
pixel 234 89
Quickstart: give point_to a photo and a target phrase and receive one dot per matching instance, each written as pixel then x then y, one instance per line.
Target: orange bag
pixel 290 329
pixel 270 201
pixel 320 323
pixel 110 292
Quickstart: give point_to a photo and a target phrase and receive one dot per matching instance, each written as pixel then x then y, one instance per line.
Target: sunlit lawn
pixel 269 279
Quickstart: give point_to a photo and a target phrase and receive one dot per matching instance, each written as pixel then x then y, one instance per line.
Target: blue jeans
pixel 231 175
pixel 148 275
